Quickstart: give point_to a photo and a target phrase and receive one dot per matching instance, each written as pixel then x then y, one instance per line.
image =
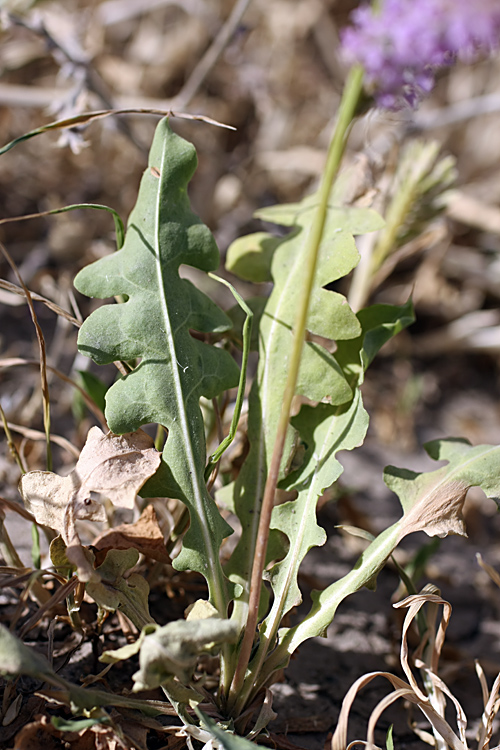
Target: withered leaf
pixel 433 501
pixel 110 466
pixel 113 591
pixel 144 535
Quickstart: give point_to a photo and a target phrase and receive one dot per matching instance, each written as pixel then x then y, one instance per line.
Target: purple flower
pixel 402 44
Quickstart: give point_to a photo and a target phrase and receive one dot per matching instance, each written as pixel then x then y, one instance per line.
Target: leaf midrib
pixel 198 491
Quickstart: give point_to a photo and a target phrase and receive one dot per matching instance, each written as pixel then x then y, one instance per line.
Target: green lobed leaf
pixel 325 430
pixel 113 591
pixel 432 502
pixel 174 649
pixel 320 377
pixel 329 429
pixel 154 325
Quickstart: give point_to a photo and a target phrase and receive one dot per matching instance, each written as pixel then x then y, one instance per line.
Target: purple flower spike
pixel 401 44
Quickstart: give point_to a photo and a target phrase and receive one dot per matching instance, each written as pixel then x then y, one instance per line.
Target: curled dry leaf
pixel 144 535
pixel 430 701
pixel 110 466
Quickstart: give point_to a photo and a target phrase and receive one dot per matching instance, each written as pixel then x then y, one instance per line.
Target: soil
pixel 278 82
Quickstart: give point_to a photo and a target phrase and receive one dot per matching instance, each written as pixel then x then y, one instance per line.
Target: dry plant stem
pixel 43 358
pixel 12 446
pixel 17 361
pixel 85 117
pixel 238 694
pixel 61 593
pixel 14 289
pixel 7 549
pixel 211 56
pixel 36 435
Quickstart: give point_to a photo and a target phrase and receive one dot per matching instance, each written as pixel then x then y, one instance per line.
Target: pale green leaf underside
pixel 154 325
pixel 432 502
pixel 325 430
pixel 320 378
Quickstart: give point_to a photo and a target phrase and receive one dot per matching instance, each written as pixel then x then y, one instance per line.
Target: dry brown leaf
pixel 117 466
pixel 41 733
pixel 110 466
pixel 439 513
pixel 144 535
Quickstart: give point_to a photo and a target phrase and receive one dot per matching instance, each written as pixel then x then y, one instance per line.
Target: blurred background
pixel 272 70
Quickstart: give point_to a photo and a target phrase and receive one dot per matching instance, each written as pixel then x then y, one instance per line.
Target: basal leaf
pixel 154 324
pixel 324 431
pixel 431 501
pixel 332 429
pixel 320 377
pixel 114 591
pixel 174 649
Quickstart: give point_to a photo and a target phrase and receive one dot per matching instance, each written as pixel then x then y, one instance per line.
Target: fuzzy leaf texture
pixel 432 502
pixel 262 257
pixel 154 325
pixel 324 431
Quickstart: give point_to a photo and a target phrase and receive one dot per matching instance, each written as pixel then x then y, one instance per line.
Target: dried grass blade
pixel 33 582
pixel 414 603
pixel 31 434
pixel 482 682
pixel 11 444
pixel 86 117
pixel 14 289
pixel 379 710
pixel 490 711
pixel 339 738
pixel 16 580
pixel 442 727
pixel 17 361
pixel 17 508
pixel 437 722
pixel 61 593
pixel 495 577
pixel 440 687
pixel 43 358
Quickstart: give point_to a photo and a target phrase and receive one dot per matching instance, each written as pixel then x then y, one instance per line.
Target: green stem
pixel 238 694
pixel 247 332
pixel 326 603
